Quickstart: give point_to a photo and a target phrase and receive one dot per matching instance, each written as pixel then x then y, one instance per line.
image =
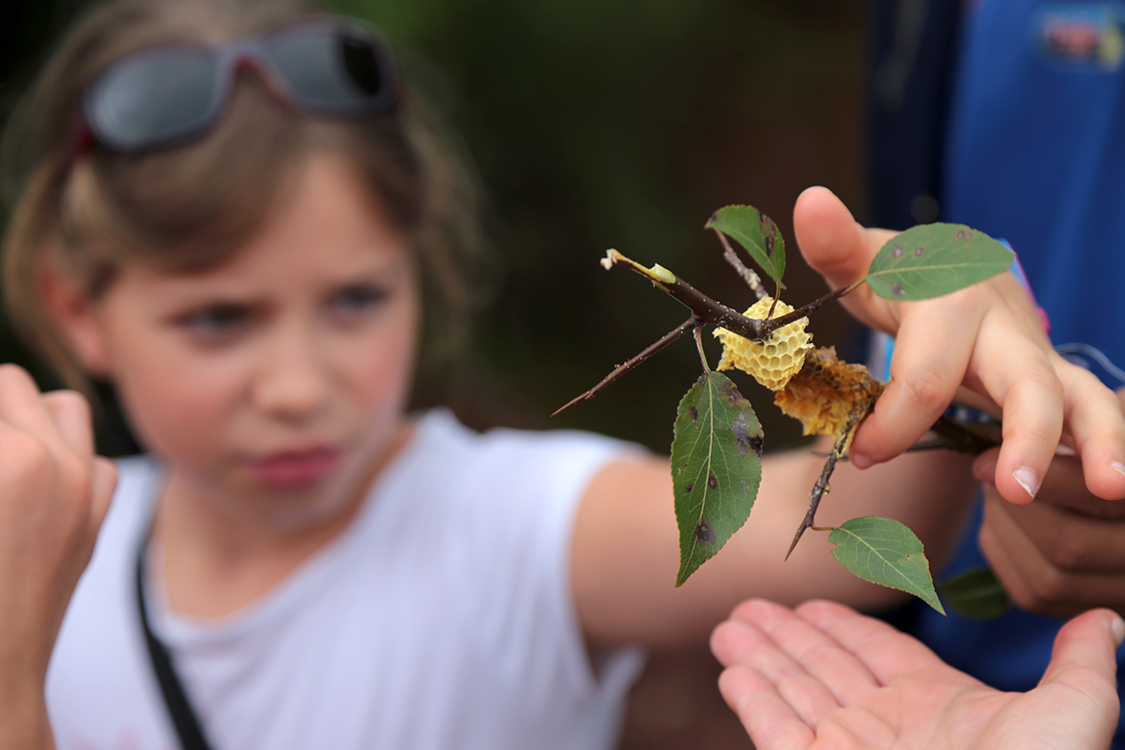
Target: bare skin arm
pixel 626 547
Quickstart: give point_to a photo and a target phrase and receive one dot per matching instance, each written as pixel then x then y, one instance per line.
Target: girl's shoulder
pixel 511 460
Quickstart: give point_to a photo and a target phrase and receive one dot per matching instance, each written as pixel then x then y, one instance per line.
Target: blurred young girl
pixel 231 211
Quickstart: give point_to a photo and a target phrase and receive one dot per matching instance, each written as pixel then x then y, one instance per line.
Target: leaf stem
pixel 690 324
pixel 699 346
pixel 752 279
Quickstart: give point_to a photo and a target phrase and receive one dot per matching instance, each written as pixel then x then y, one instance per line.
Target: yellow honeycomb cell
pixel 773 361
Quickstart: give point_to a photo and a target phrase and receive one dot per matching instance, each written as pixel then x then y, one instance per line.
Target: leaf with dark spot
pixel 704 533
pixel 717 468
pixel 757 233
pixel 945 258
pixel 747 436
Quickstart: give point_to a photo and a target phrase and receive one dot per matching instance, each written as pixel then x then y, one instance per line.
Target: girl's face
pixel 276 382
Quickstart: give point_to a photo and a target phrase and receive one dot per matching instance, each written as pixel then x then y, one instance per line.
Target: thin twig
pixel 715 313
pixel 691 323
pixel 820 489
pixel 752 279
pixel 699 347
pixel 961 437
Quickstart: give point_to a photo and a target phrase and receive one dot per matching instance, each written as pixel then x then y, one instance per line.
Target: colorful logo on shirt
pixel 1081 34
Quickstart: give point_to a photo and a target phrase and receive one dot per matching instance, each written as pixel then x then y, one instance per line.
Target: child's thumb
pixel 1084 657
pixel 833 244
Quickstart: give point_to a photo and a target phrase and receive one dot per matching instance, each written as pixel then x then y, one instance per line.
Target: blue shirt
pixel 1036 154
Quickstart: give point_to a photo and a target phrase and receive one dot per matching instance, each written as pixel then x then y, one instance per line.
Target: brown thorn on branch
pixel 820 489
pixel 690 324
pixel 803 312
pixel 752 279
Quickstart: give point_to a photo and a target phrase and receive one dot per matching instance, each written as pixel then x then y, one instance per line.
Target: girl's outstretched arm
pixel 54 493
pixel 824 675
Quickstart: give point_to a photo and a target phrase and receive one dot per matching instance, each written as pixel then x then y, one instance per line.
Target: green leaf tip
pixel 884 551
pixel 976 593
pixel 757 233
pixel 716 468
pixel 931 260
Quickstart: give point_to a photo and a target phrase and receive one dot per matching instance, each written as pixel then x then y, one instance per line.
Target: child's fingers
pixel 1070 541
pixel 929 364
pixel 1084 656
pixel 1015 367
pixel 739 642
pixel 1096 424
pixel 823 658
pixel 1047 560
pixel 884 651
pixel 838 248
pixel 769 720
pixel 21 405
pixel 70 413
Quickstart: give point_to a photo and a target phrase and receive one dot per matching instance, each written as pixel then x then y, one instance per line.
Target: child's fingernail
pixel 1118 467
pixel 859 460
pixel 1118 628
pixel 1027 479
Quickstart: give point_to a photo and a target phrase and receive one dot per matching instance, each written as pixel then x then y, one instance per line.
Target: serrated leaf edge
pixel 933 600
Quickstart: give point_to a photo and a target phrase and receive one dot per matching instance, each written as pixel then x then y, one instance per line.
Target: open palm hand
pixel 825 676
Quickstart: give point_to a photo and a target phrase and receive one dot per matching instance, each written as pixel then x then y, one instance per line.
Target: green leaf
pixel 934 259
pixel 757 233
pixel 977 593
pixel 884 551
pixel 716 467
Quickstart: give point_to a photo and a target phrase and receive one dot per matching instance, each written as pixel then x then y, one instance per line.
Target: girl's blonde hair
pixel 194 205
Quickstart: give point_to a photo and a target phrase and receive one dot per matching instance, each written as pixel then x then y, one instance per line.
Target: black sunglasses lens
pixel 334 72
pixel 145 102
pixel 361 65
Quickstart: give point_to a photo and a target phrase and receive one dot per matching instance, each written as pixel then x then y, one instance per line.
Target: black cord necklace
pixel 179 707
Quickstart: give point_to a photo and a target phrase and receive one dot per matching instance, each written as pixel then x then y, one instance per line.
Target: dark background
pixel 597 124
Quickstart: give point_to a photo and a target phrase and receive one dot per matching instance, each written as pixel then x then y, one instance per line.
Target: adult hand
pixel 1063 553
pixel 827 676
pixel 987 338
pixel 54 494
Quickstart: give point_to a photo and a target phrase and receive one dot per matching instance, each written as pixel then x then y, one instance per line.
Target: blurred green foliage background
pixel 596 124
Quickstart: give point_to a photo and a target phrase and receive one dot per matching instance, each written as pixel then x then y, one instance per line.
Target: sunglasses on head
pixel 168 93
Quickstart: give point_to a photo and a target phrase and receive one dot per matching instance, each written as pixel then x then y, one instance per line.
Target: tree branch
pixel 688 325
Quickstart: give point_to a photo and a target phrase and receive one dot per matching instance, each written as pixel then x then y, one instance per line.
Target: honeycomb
pixel 773 361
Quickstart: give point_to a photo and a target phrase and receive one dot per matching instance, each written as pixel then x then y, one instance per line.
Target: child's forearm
pixel 626 543
pixel 23 718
